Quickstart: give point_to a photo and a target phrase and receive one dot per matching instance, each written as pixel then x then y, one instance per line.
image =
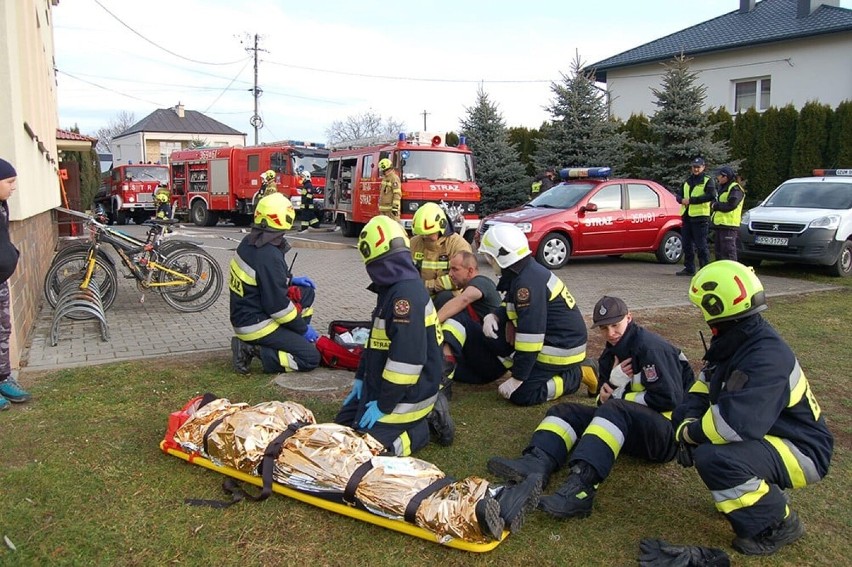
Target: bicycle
pixel 189 279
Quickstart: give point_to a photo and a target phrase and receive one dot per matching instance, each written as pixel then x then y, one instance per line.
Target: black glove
pixel 684 454
pixel 658 553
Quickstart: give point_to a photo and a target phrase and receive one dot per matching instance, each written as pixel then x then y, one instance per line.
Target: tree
pixel 90 172
pixel 840 141
pixel 580 133
pixel 809 149
pixel 525 140
pixel 680 130
pixel 116 125
pixel 365 125
pixel 788 121
pixel 499 172
pixel 638 129
pixel 725 122
pixel 744 138
pixel 763 173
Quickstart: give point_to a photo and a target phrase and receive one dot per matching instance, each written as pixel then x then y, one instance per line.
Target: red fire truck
pixel 209 184
pixel 428 169
pixel 127 191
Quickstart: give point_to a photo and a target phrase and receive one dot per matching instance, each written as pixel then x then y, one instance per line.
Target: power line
pixel 225 89
pixel 157 104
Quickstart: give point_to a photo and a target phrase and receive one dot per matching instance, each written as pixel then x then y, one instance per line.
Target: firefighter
pixel 432 246
pixel 750 424
pixel 391 190
pixel 643 378
pixel 271 310
pixel 164 210
pixel 539 319
pixel 396 384
pixel 307 212
pixel 269 184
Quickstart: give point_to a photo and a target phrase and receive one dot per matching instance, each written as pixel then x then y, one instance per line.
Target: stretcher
pixel 339 508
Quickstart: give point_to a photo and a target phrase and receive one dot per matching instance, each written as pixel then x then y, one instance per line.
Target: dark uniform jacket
pixel 8 252
pixel 307 191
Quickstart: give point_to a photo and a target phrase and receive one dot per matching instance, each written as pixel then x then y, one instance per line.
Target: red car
pixel 592 215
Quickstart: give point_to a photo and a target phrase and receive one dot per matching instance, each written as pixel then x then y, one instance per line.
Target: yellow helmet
pixel 381 236
pixel 161 197
pixel 274 211
pixel 429 219
pixel 385 164
pixel 726 290
pixel 268 175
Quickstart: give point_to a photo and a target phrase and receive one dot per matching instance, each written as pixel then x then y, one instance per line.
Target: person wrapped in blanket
pixel 337 462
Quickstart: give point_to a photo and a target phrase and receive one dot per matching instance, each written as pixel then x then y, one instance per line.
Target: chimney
pixel 179 110
pixel 746 6
pixel 805 8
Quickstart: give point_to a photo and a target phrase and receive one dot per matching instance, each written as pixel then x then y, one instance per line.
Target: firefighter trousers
pixel 546 383
pixel 400 439
pixel 284 350
pixel 598 435
pixel 477 357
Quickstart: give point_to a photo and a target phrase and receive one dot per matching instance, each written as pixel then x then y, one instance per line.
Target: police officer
pixel 269 184
pixel 396 384
pixel 699 190
pixel 307 212
pixel 271 310
pixel 643 378
pixel 727 212
pixel 390 194
pixel 539 320
pixel 751 423
pixel 432 246
pixel 543 182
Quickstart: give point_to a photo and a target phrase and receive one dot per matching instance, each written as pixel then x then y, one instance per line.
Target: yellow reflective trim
pixel 378 334
pixel 744 501
pixel 258 334
pixel 400 378
pixel 560 360
pixel 605 436
pixel 667 415
pixel 409 417
pixel 558 387
pixel 404 447
pixel 379 344
pixel 307 312
pixel 524 346
pixel 791 463
pixel 699 387
pixel 631 396
pixel 709 429
pixel 556 430
pixel 799 390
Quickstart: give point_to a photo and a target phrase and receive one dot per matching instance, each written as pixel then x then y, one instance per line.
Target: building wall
pixel 130 148
pixel 801 71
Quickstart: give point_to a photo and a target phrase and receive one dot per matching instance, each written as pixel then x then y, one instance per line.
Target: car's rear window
pixel 812 195
pixel 563 196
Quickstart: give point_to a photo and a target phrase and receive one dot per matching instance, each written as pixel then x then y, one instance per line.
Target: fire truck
pixel 209 184
pixel 127 191
pixel 428 168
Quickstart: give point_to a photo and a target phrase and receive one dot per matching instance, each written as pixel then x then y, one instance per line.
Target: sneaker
pixel 488 517
pixel 772 538
pixel 440 422
pixel 534 461
pixel 572 500
pixel 685 272
pixel 12 391
pixel 242 354
pixel 589 376
pixel 516 500
pixel 4 404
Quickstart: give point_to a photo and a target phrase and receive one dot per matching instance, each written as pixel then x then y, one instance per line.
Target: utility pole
pixel 424 120
pixel 256 121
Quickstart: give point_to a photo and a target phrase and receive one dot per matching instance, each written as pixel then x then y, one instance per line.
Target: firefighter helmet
pixel 429 219
pixel 381 236
pixel 385 164
pixel 305 175
pixel 726 290
pixel 505 243
pixel 268 175
pixel 274 211
pixel 162 197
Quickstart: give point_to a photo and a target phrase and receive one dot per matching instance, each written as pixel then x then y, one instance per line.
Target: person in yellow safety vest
pixel 307 213
pixel 432 247
pixel 543 182
pixel 164 210
pixel 727 212
pixel 699 190
pixel 390 195
pixel 269 185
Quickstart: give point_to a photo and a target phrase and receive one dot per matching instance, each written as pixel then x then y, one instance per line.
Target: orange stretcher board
pixel 352 512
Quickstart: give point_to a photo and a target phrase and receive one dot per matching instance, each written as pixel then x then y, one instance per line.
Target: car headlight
pixel 829 221
pixel 526 227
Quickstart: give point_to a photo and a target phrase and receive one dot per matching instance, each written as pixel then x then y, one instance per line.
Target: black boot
pixel 533 461
pixel 488 516
pixel 242 354
pixel 440 422
pixel 771 539
pixel 447 373
pixel 518 499
pixel 574 498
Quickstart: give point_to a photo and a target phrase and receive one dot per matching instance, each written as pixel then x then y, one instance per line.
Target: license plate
pixel 771 240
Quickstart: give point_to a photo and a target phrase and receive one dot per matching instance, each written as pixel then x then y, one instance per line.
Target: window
pixel 753 93
pixel 642 197
pixel 608 198
pixel 366 167
pixel 253 162
pixel 166 149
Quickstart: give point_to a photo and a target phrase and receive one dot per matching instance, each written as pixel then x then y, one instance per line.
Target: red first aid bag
pixel 336 353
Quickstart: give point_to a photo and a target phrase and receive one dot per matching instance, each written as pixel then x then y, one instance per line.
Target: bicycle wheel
pixel 78 248
pixel 169 247
pixel 205 273
pixel 104 277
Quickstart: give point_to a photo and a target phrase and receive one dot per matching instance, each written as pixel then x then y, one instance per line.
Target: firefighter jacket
pixel 701 191
pixel 269 188
pixel 401 363
pixel 307 191
pixel 662 374
pixel 549 329
pixel 751 388
pixel 432 259
pixel 390 195
pixel 258 281
pixel 728 210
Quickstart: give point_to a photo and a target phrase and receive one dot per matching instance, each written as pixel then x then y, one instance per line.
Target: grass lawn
pixel 82 480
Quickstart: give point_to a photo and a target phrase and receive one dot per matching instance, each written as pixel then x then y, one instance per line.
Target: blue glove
pixel 355 394
pixel 371 415
pixel 304 281
pixel 311 335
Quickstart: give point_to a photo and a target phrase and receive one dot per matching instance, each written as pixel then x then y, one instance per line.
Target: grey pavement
pixel 153 329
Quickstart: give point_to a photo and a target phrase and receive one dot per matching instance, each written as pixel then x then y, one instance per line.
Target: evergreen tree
pixel 580 133
pixel 499 172
pixel 840 141
pixel 764 171
pixel 90 174
pixel 525 141
pixel 638 129
pixel 744 140
pixel 722 120
pixel 788 120
pixel 679 129
pixel 809 149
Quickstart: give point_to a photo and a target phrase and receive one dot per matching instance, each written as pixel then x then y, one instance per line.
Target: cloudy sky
pixel 325 60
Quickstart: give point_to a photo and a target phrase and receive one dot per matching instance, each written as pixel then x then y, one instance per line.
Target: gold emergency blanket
pixel 190 435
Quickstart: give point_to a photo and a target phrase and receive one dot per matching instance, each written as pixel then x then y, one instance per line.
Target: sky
pixel 324 61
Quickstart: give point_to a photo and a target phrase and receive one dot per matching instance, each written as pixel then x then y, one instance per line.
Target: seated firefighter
pixel 643 378
pixel 271 310
pixel 396 384
pixel 432 246
pixel 540 320
pixel 339 463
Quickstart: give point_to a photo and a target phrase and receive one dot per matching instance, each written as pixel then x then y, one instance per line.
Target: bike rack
pixel 77 304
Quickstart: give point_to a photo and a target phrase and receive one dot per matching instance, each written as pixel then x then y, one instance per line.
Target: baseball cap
pixel 608 310
pixel 726 171
pixel 697 161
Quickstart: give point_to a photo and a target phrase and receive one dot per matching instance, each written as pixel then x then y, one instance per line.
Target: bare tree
pixel 364 125
pixel 117 124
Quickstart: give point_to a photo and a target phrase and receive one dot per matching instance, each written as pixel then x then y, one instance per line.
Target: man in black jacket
pixel 698 192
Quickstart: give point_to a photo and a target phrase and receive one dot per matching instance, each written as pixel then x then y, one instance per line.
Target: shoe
pixel 242 354
pixel 4 404
pixel 447 372
pixel 12 391
pixel 772 538
pixel 440 422
pixel 534 461
pixel 488 517
pixel 516 500
pixel 685 272
pixel 572 500
pixel 589 376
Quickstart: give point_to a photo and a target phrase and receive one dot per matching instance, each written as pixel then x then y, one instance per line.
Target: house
pixel 769 53
pixel 165 130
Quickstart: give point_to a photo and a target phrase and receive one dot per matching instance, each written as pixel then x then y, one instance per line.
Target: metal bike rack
pixel 77 304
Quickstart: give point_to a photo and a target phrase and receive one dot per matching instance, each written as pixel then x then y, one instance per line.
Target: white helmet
pixel 305 175
pixel 505 243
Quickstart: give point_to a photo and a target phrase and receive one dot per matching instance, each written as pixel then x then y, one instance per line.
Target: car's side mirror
pixel 589 208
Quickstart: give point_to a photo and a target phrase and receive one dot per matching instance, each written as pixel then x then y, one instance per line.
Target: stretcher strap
pixel 210 429
pixel 354 481
pixel 417 499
